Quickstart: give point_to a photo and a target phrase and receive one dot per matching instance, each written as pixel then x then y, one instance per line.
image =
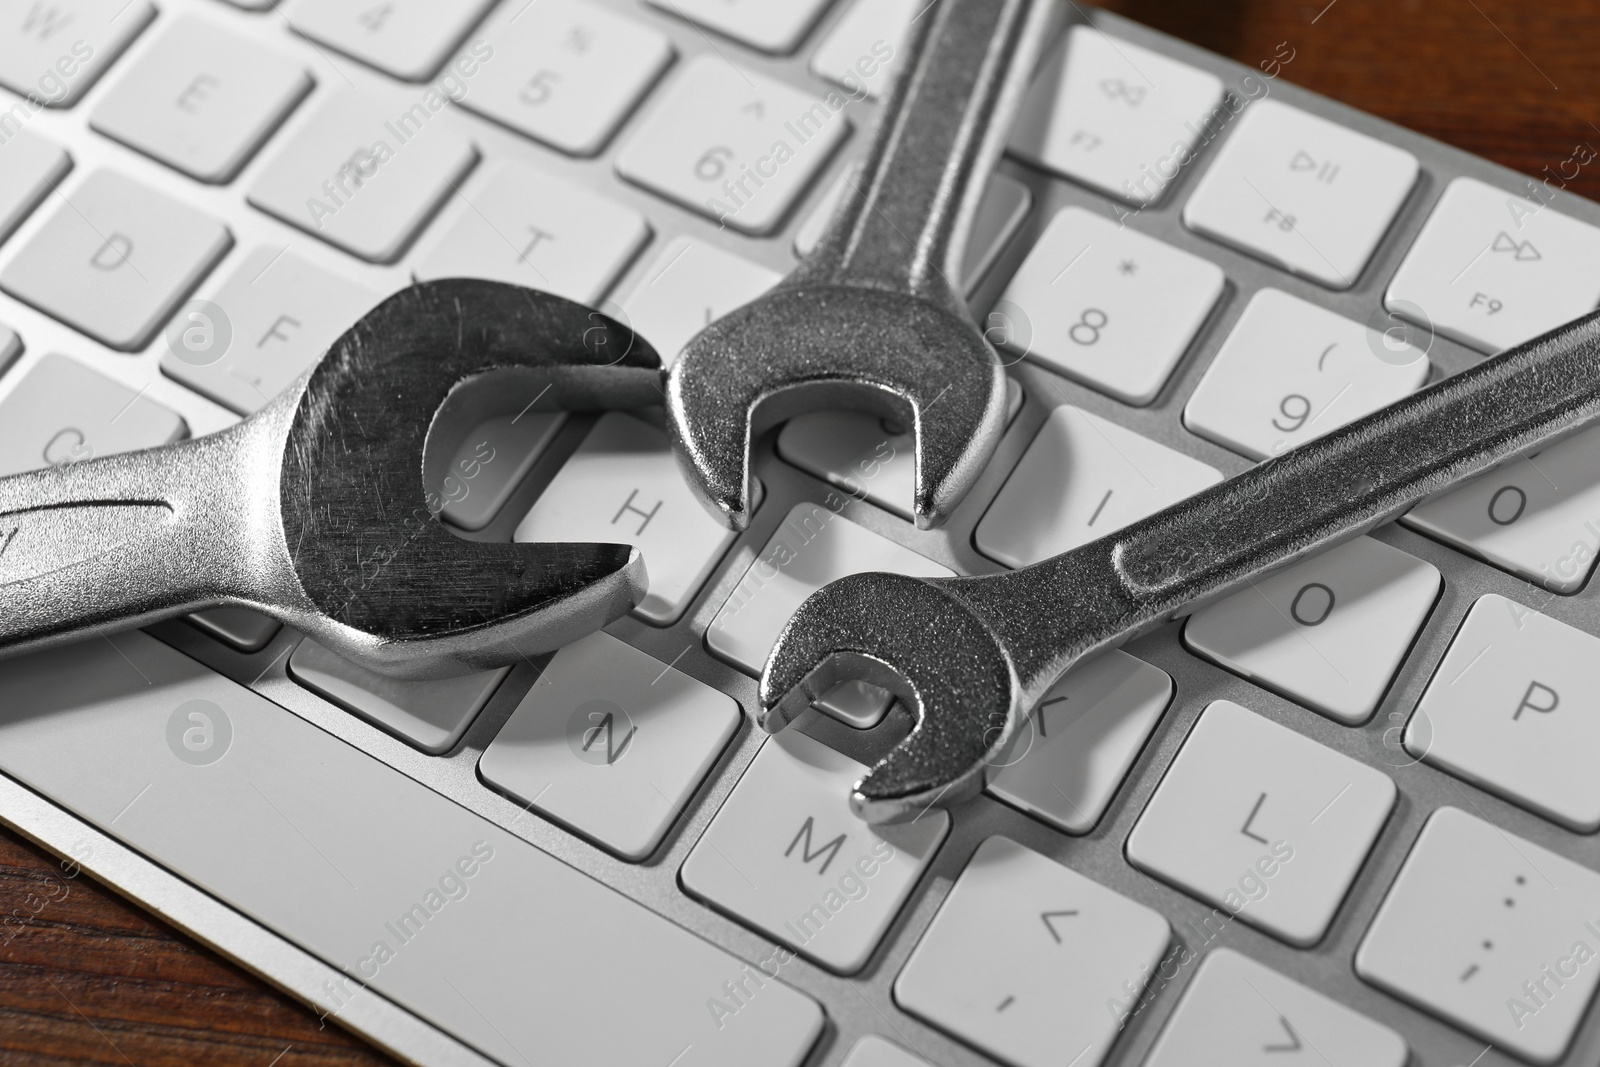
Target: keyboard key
pixel 786 855
pixel 1492 932
pixel 10 347
pixel 688 286
pixel 1080 304
pixel 1238 1012
pixel 1491 269
pixel 859 52
pixel 565 71
pixel 1329 632
pixel 760 24
pixel 340 854
pixel 864 455
pixel 1292 371
pixel 29 168
pixel 1082 478
pixel 431 714
pixel 245 630
pixel 612 743
pixel 1114 116
pixel 733 145
pixel 623 486
pixel 1025 956
pixel 281 313
pixel 53 50
pixel 63 412
pixel 491 462
pixel 812 547
pixel 1004 206
pixel 1535 516
pixel 1509 710
pixel 365 173
pixel 116 259
pixel 1083 736
pixel 1263 822
pixel 1312 196
pixel 527 228
pixel 874 1051
pixel 407 38
pixel 201 100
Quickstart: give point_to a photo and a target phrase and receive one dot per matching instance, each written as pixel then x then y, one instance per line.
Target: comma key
pixel 1032 962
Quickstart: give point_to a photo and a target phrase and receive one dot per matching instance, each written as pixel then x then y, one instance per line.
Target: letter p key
pixel 1547 694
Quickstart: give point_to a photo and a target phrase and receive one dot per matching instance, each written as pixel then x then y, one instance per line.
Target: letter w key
pixel 45 20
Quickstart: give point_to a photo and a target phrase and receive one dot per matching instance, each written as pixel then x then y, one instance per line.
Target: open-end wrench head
pixel 911 637
pixel 323 508
pixel 399 591
pixel 809 346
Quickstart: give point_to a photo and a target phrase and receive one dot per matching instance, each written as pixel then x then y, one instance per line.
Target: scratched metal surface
pixel 872 319
pixel 358 519
pixel 864 1004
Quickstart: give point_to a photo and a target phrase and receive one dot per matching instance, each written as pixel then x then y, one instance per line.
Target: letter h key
pixel 645 516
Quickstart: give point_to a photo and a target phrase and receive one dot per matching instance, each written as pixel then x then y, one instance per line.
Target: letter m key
pixel 830 849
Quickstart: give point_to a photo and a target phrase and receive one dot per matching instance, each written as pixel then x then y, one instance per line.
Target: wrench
pixel 315 509
pixel 972 656
pixel 874 318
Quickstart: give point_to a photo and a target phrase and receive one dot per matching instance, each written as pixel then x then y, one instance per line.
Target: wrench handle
pixel 903 223
pixel 1291 506
pixel 109 543
pixel 1367 472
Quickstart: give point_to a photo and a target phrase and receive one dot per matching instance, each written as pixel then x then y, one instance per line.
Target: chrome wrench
pixel 972 656
pixel 316 510
pixel 874 319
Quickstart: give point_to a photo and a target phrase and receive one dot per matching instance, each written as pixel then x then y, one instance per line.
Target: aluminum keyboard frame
pixel 863 1003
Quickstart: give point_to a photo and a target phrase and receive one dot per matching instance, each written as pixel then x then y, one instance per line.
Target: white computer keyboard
pixel 1344 817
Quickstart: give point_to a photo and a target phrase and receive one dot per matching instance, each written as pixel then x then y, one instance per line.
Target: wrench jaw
pixel 375 573
pixel 805 347
pixel 542 623
pixel 934 654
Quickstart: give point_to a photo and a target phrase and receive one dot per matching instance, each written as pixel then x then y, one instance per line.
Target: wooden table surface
pixel 91 979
